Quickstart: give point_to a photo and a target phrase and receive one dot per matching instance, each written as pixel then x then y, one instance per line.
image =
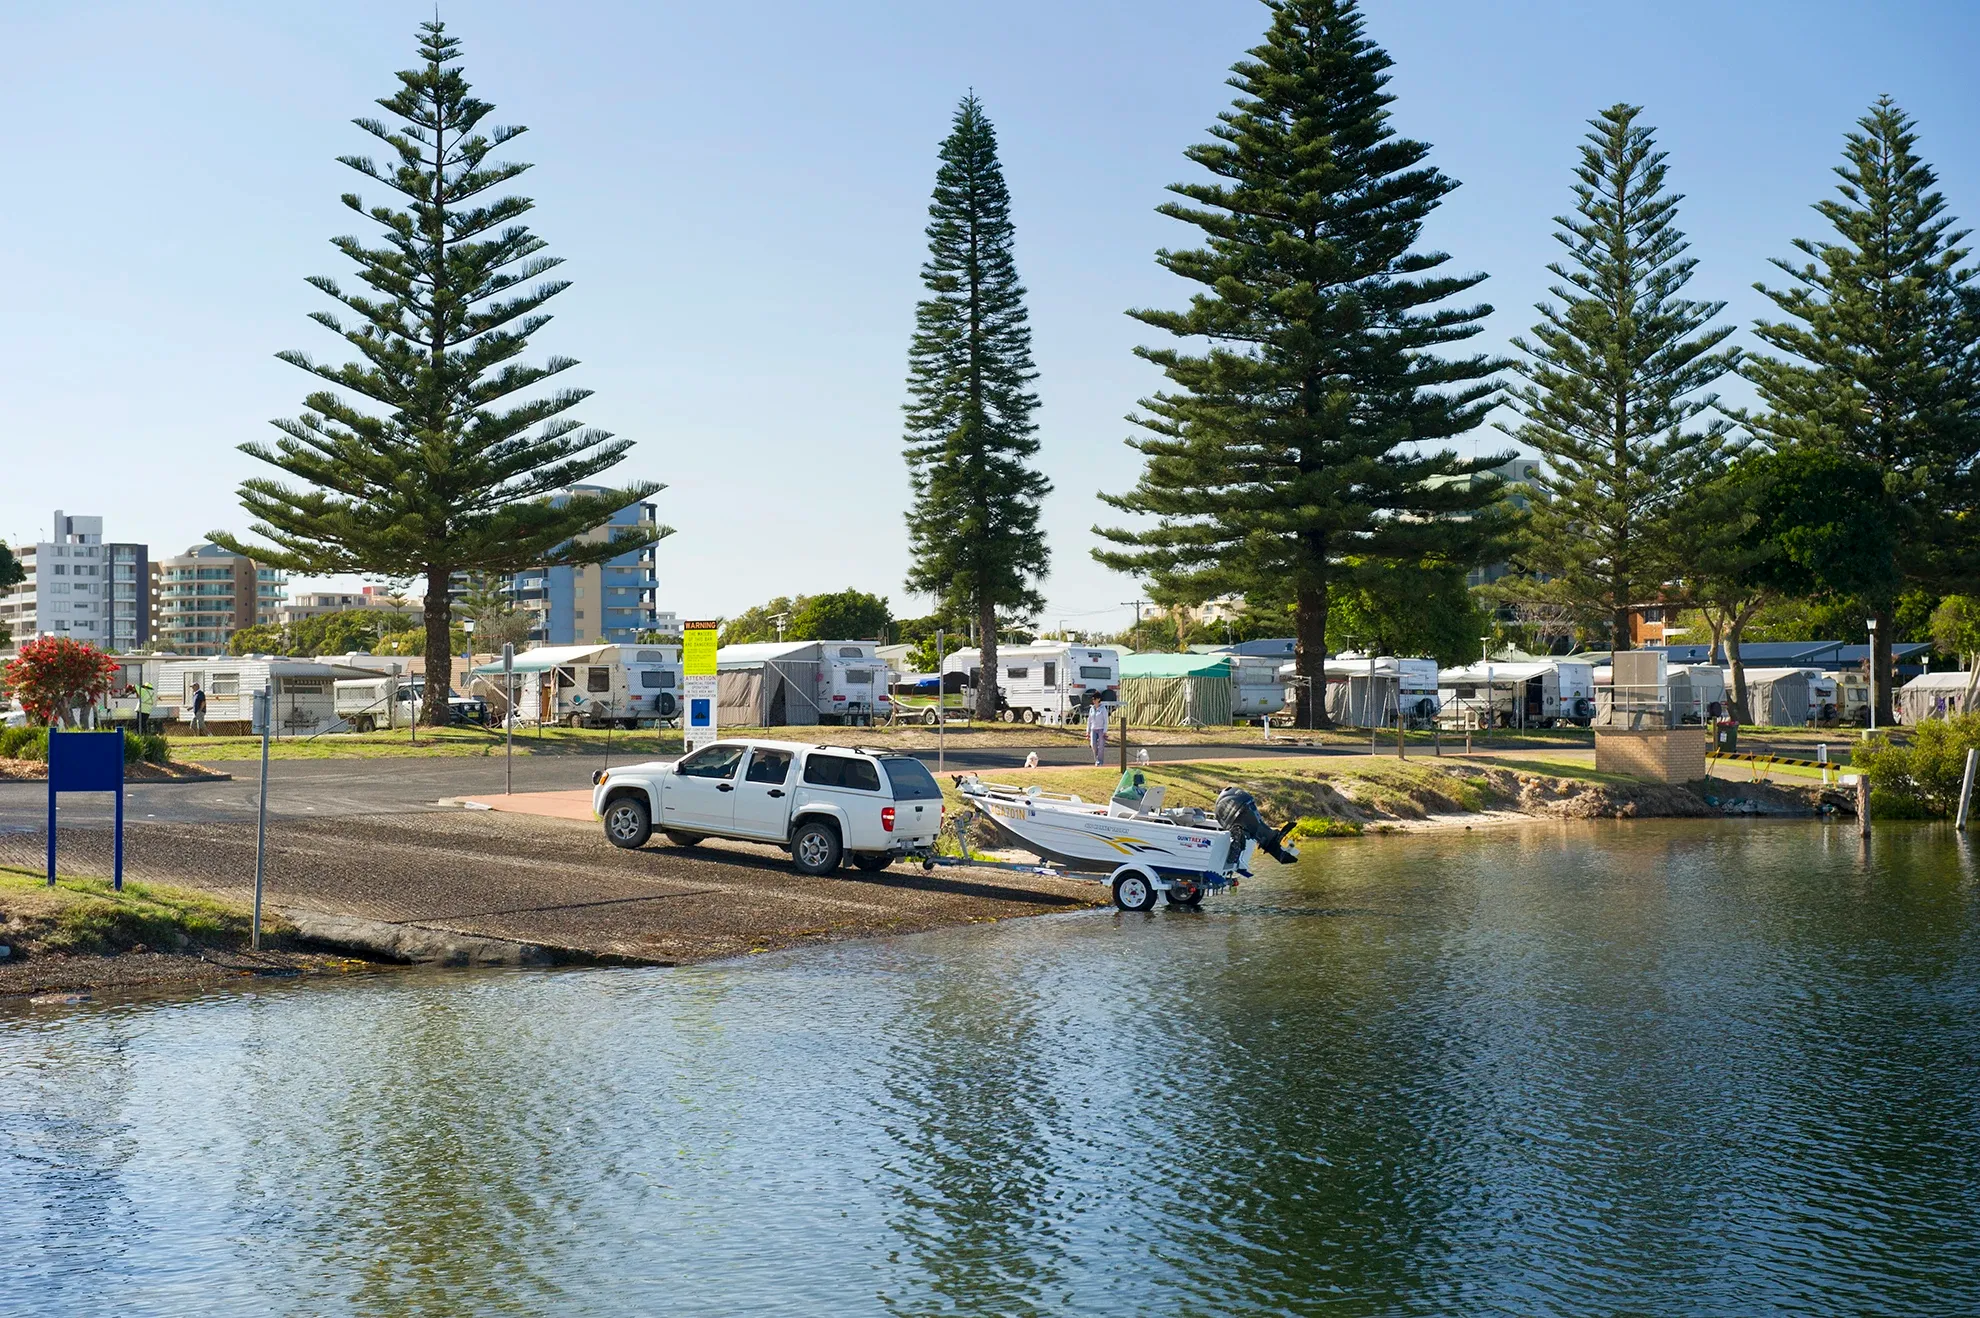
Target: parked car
pixel 820 803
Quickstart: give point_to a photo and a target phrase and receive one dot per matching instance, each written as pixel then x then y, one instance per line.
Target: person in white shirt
pixel 1096 731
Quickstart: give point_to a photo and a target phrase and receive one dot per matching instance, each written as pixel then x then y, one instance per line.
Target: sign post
pixel 86 762
pixel 264 720
pixel 698 684
pixel 508 718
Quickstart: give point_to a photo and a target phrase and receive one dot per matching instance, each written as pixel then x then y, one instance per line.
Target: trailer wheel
pixel 1030 715
pixel 628 822
pixel 1133 891
pixel 574 721
pixel 1187 895
pixel 815 847
pixel 931 717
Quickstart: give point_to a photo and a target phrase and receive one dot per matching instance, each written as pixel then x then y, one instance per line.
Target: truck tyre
pixel 628 822
pixel 873 861
pixel 685 839
pixel 815 846
pixel 366 723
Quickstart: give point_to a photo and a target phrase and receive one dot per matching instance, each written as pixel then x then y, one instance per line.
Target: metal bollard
pixel 1966 788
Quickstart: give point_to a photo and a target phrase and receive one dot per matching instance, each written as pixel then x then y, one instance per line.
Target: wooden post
pixel 1966 787
pixel 1863 804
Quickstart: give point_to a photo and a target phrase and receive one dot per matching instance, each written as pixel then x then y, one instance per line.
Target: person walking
pixel 147 696
pixel 1096 730
pixel 199 711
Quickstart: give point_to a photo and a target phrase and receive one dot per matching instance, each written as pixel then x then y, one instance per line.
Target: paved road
pixel 331 788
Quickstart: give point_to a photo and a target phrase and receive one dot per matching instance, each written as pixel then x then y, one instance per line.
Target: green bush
pixel 1924 776
pixel 23 743
pixel 1890 805
pixel 1310 826
pixel 32 744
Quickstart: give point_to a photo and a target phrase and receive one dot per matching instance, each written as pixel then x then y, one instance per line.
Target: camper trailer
pixel 800 683
pixel 1257 690
pixel 1364 694
pixel 1697 692
pixel 1531 693
pixel 1047 683
pixel 305 697
pixel 590 686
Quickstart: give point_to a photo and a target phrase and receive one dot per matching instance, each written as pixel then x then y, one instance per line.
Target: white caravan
pixel 591 686
pixel 1538 693
pixel 1257 690
pixel 1047 683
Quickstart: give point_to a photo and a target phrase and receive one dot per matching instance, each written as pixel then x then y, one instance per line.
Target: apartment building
pixel 202 597
pixel 316 603
pixel 78 586
pixel 607 602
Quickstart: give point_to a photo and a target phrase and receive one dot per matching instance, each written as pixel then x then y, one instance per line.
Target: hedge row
pixel 32 744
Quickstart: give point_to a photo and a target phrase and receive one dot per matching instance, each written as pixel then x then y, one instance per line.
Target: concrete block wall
pixel 1662 755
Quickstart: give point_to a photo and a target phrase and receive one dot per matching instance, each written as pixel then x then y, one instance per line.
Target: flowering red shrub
pixel 53 675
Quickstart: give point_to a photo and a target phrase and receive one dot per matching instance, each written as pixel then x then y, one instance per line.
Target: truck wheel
pixel 366 723
pixel 873 861
pixel 684 839
pixel 628 822
pixel 1133 891
pixel 815 847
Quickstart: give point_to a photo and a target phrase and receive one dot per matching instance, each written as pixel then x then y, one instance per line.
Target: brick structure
pixel 1662 755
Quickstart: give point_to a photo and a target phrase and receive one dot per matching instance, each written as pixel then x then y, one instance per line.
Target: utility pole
pixel 1136 606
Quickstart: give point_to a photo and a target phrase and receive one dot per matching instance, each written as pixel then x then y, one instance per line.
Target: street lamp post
pixel 1872 624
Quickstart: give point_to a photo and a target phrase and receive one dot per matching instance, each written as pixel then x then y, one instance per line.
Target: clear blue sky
pixel 739 191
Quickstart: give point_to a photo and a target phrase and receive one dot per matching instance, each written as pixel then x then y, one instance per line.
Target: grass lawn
pixel 85 916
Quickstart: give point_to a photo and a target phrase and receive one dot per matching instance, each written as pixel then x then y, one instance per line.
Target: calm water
pixel 1646 1069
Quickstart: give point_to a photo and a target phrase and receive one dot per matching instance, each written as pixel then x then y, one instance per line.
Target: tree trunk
pixel 439 614
pixel 1310 657
pixel 986 685
pixel 1880 668
pixel 1735 628
pixel 1620 625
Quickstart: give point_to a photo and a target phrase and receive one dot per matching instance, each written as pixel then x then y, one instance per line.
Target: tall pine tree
pixel 1289 457
pixel 1615 389
pixel 1880 356
pixel 973 533
pixel 447 471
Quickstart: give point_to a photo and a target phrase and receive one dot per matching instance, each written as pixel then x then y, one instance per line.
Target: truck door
pixel 701 791
pixel 763 797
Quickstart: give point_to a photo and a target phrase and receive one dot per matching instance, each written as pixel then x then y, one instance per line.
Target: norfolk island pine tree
pixel 1879 356
pixel 1291 453
pixel 973 535
pixel 445 480
pixel 1615 376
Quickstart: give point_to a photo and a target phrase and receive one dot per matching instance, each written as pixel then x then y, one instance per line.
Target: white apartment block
pixel 79 587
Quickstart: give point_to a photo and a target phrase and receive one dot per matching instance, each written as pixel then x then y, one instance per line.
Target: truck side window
pixel 841 771
pixel 768 767
pixel 712 762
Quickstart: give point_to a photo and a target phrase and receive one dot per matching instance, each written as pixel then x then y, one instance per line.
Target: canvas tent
pixel 769 684
pixel 1176 690
pixel 1777 697
pixel 1931 695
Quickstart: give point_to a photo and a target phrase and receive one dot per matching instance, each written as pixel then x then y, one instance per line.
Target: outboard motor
pixel 1237 811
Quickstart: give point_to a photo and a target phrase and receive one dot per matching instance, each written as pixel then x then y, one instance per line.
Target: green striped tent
pixel 1176 690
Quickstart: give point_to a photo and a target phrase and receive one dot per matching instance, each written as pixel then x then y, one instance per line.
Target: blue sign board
pixel 698 712
pixel 86 762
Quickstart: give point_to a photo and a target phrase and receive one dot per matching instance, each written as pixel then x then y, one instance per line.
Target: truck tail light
pixel 887 818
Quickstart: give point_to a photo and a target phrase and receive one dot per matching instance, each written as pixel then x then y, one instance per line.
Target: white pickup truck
pixel 820 803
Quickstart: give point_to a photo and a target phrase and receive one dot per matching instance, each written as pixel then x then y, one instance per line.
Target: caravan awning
pixel 544 659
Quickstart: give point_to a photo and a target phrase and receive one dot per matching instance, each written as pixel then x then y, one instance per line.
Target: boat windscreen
pixel 910 779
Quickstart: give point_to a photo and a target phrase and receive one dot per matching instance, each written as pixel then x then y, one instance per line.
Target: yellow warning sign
pixel 698 648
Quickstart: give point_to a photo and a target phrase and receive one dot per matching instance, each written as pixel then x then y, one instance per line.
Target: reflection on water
pixel 1651 1068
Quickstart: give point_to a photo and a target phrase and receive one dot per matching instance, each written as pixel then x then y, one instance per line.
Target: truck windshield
pixel 910 779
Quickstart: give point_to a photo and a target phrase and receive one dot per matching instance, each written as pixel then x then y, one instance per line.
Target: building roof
pixel 1281 646
pixel 1794 654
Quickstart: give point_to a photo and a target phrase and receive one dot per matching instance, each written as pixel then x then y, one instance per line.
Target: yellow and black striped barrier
pixel 1775 759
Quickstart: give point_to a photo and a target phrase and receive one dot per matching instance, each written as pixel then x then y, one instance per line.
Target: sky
pixel 739 193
